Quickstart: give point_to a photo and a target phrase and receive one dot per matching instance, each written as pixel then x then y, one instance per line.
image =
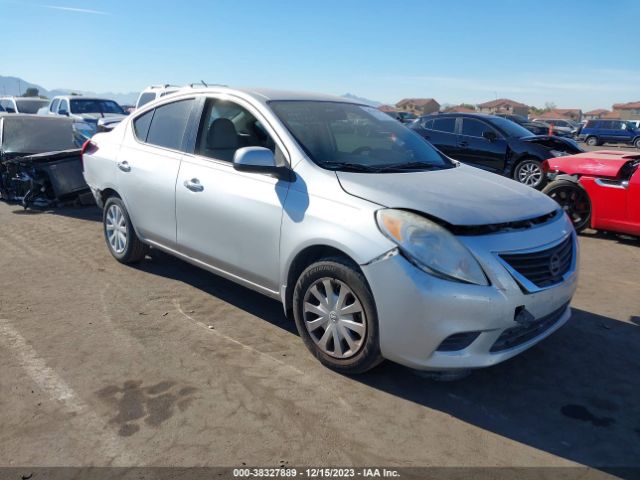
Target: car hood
pixel 461 196
pixel 554 143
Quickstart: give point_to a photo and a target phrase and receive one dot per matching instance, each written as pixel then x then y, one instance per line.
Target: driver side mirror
pixel 259 160
pixel 489 135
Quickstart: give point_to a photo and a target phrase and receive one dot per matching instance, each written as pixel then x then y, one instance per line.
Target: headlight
pixel 431 247
pixel 558 153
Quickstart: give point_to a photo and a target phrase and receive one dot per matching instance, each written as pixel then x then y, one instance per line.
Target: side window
pixel 474 128
pixel 616 125
pixel 226 126
pixel 428 124
pixel 606 124
pixel 169 124
pixel 64 105
pixel 141 125
pixel 54 105
pixel 447 125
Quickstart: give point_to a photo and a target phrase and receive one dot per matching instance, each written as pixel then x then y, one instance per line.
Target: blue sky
pixel 574 53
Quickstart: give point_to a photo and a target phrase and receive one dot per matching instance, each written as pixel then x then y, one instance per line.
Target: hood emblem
pixel 554 265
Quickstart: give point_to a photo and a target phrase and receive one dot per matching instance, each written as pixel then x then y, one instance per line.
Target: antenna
pixel 202 81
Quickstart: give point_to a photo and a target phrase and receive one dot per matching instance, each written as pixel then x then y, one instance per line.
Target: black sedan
pixel 535 127
pixel 494 144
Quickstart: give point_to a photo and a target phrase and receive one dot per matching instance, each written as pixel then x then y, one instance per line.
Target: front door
pixel 228 219
pixel 475 149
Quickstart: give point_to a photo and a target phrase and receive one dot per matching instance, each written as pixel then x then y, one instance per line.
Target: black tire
pixel 133 250
pixel 524 166
pixel 592 141
pixel 573 199
pixel 637 142
pixel 338 270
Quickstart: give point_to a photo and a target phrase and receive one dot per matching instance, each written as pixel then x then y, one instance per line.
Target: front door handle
pixel 194 185
pixel 463 144
pixel 124 166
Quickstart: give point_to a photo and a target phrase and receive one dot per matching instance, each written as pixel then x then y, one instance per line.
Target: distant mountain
pixel 350 96
pixel 17 86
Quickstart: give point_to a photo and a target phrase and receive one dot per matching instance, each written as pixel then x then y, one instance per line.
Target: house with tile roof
pixel 627 111
pixel 504 106
pixel 419 106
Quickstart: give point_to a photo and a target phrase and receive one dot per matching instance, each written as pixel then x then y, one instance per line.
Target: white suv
pixel 149 94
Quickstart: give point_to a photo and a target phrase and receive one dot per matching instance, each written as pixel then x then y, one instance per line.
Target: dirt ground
pixel 165 364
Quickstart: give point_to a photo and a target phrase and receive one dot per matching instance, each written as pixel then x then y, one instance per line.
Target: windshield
pixel 345 136
pixel 30 106
pixel 509 128
pixel 89 105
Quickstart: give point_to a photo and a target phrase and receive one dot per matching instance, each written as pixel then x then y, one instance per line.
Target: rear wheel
pixel 529 172
pixel 592 141
pixel 573 199
pixel 336 316
pixel 637 142
pixel 121 238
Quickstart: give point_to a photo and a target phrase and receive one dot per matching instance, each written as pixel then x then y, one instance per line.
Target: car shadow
pixel 88 213
pixel 574 395
pixel 612 236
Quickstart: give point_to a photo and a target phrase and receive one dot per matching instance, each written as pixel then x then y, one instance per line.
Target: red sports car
pixel 600 189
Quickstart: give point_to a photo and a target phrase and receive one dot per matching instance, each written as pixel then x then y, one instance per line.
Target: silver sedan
pixel 377 244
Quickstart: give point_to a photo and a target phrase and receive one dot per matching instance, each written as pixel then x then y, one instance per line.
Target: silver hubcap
pixel 334 318
pixel 116 228
pixel 529 174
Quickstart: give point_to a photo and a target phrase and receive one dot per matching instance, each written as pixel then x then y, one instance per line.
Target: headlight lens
pixel 558 153
pixel 431 247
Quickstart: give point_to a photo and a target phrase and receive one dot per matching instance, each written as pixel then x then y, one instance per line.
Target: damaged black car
pixel 494 144
pixel 40 161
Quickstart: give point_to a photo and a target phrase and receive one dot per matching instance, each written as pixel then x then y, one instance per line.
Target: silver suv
pixel 377 244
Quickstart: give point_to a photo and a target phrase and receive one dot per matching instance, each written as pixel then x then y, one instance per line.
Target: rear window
pixel 169 124
pixel 31 106
pixel 146 98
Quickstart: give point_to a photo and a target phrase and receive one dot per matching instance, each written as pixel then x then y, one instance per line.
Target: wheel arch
pixel 305 257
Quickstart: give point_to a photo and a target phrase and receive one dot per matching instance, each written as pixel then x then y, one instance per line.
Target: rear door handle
pixel 194 185
pixel 124 166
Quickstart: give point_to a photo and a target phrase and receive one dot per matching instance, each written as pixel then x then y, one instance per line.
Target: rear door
pixel 478 151
pixel 442 135
pixel 148 165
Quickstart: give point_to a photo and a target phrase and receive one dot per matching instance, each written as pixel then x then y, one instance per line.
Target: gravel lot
pixel 165 364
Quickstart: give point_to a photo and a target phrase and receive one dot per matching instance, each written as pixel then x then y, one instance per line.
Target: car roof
pixel 265 95
pixel 484 116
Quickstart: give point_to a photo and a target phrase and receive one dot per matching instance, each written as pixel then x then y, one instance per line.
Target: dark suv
pixel 495 144
pixel 597 132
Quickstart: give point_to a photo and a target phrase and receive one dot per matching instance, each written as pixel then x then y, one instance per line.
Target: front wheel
pixel 637 142
pixel 119 234
pixel 336 316
pixel 529 172
pixel 573 199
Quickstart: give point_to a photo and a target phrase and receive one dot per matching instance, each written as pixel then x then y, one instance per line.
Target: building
pixel 458 109
pixel 595 114
pixel 504 106
pixel 627 111
pixel 387 108
pixel 419 106
pixel 574 114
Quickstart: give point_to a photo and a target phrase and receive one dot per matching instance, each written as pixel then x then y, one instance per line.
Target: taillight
pixel 87 147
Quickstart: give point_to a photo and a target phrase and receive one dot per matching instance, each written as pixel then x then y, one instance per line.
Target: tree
pixel 549 106
pixel 32 92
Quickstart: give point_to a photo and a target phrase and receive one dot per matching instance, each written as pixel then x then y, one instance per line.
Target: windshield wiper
pixel 350 167
pixel 411 166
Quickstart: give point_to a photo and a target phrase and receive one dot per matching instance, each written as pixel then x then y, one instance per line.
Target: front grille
pixel 545 267
pixel 457 341
pixel 512 337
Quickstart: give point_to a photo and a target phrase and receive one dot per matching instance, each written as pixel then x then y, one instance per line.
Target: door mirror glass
pixel 258 160
pixel 489 135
